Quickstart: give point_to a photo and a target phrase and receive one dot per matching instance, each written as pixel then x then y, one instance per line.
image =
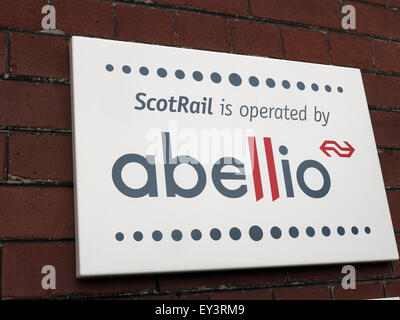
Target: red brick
pixel 133 24
pixel 305 45
pixel 376 21
pixel 31 212
pixel 40 157
pixel 22 277
pixel 382 2
pixel 386 127
pixel 394 205
pixel 34 105
pixel 334 272
pixel 364 290
pixel 314 273
pixel 85 17
pixel 350 51
pixel 382 91
pixel 393 288
pixel 22 14
pixel 242 295
pixel 40 56
pixel 303 293
pixel 202 31
pixel 3 52
pixel 325 273
pixel 238 7
pixel 176 297
pixel 387 55
pixel 394 3
pixel 254 38
pixel 373 270
pixel 216 279
pixel 390 164
pixel 312 12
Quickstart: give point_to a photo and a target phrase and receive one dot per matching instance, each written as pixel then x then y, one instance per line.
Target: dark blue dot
pixel 235 79
pixel 326 231
pixel 256 233
pixel 340 89
pixel 286 84
pixel 341 231
pixel 157 235
pixel 138 236
pixel 162 72
pixel 254 81
pixel 367 230
pixel 294 232
pixel 354 230
pixel 300 85
pixel 179 74
pixel 270 83
pixel 197 75
pixel 144 71
pixel 315 87
pixel 109 67
pixel 235 233
pixel 276 233
pixel 119 236
pixel 328 88
pixel 126 69
pixel 283 150
pixel 176 235
pixel 196 234
pixel 215 234
pixel 310 232
pixel 215 77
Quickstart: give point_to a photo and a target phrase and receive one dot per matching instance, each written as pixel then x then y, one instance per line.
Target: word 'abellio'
pixel 218 174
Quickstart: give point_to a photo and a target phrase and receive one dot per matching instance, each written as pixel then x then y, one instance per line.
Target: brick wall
pixel 36 190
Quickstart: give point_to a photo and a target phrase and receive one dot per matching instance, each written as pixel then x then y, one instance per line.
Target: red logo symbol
pixel 343 152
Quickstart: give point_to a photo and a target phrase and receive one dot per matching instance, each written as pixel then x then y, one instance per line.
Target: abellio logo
pixel 218 174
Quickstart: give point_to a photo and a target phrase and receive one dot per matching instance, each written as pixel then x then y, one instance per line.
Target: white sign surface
pixel 195 160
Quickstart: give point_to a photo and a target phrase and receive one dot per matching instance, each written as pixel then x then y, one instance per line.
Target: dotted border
pixel 233 78
pixel 255 232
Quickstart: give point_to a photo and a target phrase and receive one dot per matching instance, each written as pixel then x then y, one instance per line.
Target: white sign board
pixel 194 160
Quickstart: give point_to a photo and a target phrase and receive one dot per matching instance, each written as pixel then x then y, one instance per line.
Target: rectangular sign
pixel 194 160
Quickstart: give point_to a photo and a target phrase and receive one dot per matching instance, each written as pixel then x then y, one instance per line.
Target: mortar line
pixel 372 55
pixel 115 21
pixel 175 13
pixel 8 53
pixel 231 36
pixel 6 156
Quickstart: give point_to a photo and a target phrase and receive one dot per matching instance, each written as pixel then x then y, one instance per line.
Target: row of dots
pixel 255 233
pixel 234 78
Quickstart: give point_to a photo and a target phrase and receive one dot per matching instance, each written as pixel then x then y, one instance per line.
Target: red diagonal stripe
pixel 256 168
pixel 273 181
